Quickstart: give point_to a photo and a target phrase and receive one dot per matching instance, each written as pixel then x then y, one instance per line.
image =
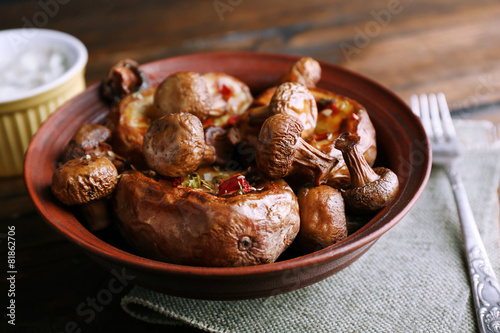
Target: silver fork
pixel 436 119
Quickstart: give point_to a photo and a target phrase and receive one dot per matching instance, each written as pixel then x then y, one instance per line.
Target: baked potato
pixel 130 119
pixel 229 95
pixel 191 227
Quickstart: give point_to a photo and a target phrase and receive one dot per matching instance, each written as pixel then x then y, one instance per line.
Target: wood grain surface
pixel 409 46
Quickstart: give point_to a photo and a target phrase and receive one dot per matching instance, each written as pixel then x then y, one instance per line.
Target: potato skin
pixel 131 119
pixel 323 219
pixel 190 227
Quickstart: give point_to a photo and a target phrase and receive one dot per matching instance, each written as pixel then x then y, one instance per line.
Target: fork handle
pixel 484 284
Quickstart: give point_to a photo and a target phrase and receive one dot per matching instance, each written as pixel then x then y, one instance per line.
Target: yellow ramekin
pixel 21 117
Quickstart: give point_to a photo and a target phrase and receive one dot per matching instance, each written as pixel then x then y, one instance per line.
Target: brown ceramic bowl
pixel 402 143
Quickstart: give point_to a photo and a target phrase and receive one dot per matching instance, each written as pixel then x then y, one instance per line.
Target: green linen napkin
pixel 412 280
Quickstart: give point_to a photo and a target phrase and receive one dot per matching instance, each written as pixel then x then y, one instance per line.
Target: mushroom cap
pixel 88 136
pixel 306 71
pixel 373 196
pixel 174 144
pixel 347 141
pixel 91 134
pixel 183 92
pixel 278 139
pixel 296 100
pixel 124 78
pixel 85 179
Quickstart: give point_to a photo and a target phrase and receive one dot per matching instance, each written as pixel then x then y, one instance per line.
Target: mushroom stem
pixel 283 152
pixel 360 171
pixel 96 214
pixel 318 162
pixel 370 189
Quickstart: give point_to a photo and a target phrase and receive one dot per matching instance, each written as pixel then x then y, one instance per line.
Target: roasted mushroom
pixel 85 182
pixel 123 79
pixel 282 151
pixel 92 139
pixel 370 189
pixel 322 218
pixel 185 226
pixel 293 99
pixel 218 146
pixel 305 71
pixel 184 92
pixel 88 136
pixel 81 180
pixel 174 144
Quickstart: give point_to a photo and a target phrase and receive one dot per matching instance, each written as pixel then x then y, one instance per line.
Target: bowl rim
pixel 69 40
pixel 370 233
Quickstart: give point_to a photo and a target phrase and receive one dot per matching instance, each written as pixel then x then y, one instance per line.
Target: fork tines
pixel 435 116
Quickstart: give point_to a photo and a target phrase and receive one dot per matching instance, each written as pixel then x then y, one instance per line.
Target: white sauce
pixel 30 69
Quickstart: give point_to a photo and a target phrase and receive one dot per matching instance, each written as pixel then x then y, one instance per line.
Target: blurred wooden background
pixel 409 46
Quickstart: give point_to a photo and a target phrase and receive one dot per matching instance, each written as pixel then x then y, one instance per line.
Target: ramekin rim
pixel 79 64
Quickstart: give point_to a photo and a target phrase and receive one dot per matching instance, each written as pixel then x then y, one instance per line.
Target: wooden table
pixel 410 46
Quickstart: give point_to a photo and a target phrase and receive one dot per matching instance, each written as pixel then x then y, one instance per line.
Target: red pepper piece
pixel 226 92
pixel 208 122
pixel 234 184
pixel 177 181
pixel 333 106
pixel 232 120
